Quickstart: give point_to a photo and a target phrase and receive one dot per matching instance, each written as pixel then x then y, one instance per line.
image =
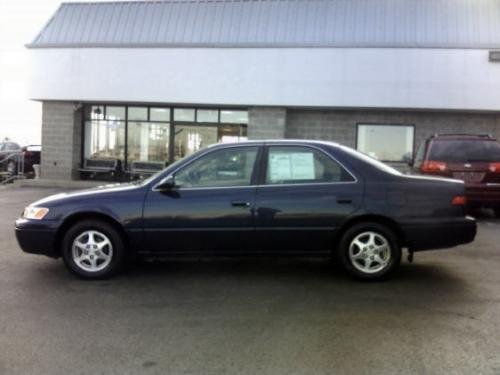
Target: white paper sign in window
pixel 291 166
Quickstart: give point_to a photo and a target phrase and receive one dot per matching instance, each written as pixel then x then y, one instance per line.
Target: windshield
pixel 368 159
pixel 464 150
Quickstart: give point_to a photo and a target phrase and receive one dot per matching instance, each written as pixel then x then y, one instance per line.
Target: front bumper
pixel 429 236
pixel 36 237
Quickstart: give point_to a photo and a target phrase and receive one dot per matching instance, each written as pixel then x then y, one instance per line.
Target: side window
pixel 296 165
pixel 2 146
pixel 222 168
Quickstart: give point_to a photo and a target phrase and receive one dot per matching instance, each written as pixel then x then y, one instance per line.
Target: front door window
pixel 223 168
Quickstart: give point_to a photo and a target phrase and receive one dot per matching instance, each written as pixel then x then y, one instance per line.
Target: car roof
pixel 463 136
pixel 277 141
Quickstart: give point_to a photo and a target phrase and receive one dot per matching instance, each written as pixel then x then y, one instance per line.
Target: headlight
pixel 35 213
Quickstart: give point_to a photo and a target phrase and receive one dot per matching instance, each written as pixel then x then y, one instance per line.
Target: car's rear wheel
pixel 93 249
pixel 369 251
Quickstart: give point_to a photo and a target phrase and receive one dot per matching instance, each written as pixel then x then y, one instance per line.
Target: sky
pixel 20 22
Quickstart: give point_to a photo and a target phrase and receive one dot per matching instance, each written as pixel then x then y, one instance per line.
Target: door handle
pixel 240 204
pixel 344 200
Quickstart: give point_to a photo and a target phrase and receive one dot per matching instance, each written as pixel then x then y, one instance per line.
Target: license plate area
pixel 469 176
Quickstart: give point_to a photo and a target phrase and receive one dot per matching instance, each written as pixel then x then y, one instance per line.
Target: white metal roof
pixel 275 23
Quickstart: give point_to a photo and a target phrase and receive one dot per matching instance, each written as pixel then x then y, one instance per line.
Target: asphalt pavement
pixel 440 314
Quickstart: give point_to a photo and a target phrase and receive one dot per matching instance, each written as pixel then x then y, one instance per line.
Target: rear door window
pixel 299 165
pixel 461 151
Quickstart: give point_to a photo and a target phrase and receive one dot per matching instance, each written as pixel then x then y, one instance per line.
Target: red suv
pixel 474 159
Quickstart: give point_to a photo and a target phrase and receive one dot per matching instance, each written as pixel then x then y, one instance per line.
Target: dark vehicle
pixel 10 154
pixel 31 156
pixel 474 159
pixel 293 198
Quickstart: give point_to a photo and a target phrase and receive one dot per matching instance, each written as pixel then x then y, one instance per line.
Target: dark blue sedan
pixel 280 198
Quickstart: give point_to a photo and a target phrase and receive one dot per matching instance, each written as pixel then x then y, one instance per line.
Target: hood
pixel 87 193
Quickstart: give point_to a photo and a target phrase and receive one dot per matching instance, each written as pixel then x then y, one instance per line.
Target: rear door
pixel 303 196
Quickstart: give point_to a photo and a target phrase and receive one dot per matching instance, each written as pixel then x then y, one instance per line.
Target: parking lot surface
pixel 440 314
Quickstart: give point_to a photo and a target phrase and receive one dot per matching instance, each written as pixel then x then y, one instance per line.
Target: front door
pixel 303 197
pixel 209 209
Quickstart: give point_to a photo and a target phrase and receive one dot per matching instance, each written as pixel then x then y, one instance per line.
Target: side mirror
pixel 166 184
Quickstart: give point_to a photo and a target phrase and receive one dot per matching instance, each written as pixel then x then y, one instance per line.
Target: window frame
pixel 264 166
pixel 253 178
pixel 386 124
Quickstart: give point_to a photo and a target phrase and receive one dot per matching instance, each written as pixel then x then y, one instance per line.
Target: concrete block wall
pixel 340 125
pixel 497 135
pixel 266 122
pixel 61 140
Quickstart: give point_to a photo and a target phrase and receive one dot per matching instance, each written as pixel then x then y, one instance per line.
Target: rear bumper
pixel 483 194
pixel 35 240
pixel 429 236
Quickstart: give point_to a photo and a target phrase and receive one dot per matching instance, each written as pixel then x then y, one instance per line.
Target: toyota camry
pixel 272 198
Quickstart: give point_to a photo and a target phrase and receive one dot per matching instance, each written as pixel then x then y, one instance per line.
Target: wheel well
pixel 71 220
pixel 391 224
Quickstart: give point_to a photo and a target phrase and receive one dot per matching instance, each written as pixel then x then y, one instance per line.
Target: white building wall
pixel 316 77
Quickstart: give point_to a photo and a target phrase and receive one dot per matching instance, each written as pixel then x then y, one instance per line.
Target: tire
pixel 497 212
pixel 369 251
pixel 11 167
pixel 93 250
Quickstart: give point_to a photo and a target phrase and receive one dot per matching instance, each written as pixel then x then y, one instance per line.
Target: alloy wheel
pixel 92 251
pixel 370 252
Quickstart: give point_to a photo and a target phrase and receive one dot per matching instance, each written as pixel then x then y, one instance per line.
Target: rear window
pixel 372 161
pixel 464 151
pixel 33 148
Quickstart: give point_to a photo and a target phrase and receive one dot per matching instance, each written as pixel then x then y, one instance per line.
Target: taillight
pixel 433 166
pixel 459 200
pixel 494 167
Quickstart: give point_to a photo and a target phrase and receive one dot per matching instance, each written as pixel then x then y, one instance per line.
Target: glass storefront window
pixel 184 114
pixel 189 139
pixel 148 141
pixel 232 133
pixel 138 113
pixel 104 140
pixel 207 115
pixel 115 113
pixel 94 112
pixel 146 135
pixel 235 117
pixel 386 142
pixel 159 114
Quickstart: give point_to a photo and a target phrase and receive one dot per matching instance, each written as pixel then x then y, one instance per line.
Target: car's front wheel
pixel 369 251
pixel 93 249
